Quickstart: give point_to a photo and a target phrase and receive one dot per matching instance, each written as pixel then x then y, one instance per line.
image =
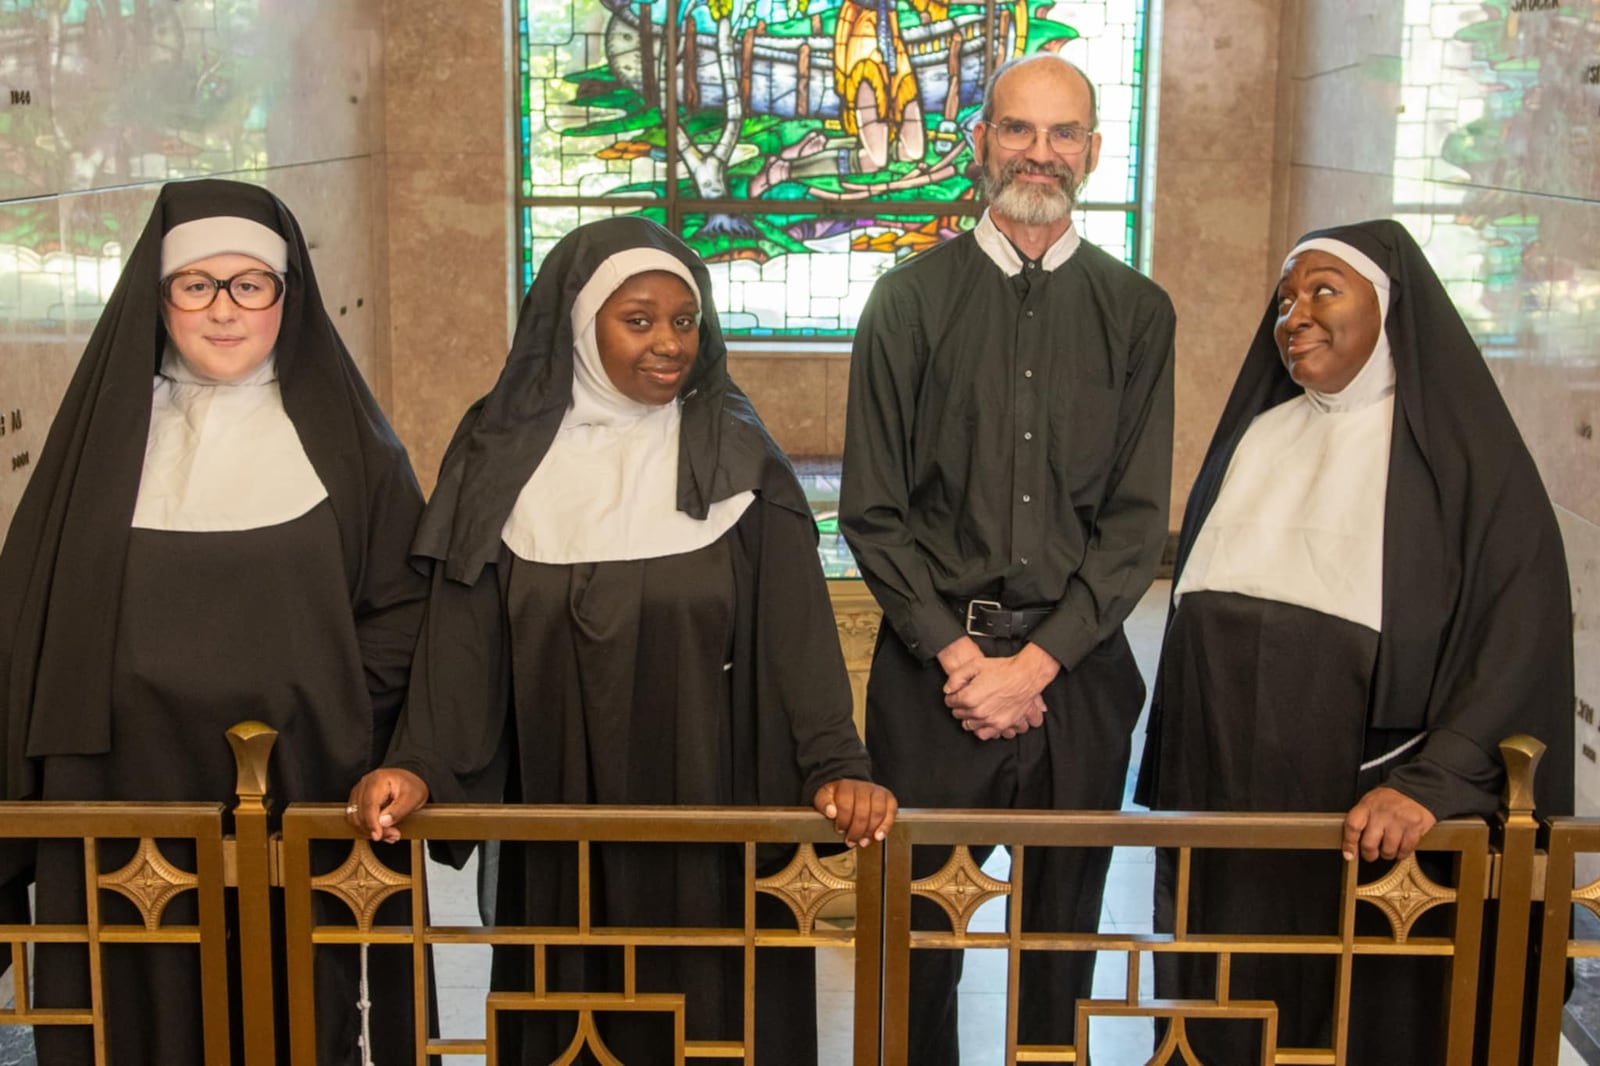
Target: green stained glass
pixel 802 147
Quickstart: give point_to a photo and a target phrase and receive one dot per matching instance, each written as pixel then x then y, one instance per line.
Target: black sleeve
pixel 801 681
pixel 1506 668
pixel 390 601
pixel 1130 526
pixel 452 731
pixel 875 498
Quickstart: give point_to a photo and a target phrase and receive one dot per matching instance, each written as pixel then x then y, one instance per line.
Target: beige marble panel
pixel 336 204
pixel 790 394
pixel 1345 120
pixel 37 370
pixel 120 94
pixel 1209 255
pixel 447 77
pixel 449 272
pixel 1582 541
pixel 1337 34
pixel 1219 62
pixel 837 392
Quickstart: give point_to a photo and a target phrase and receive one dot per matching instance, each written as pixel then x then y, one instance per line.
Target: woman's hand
pixel 381 799
pixel 861 811
pixel 1385 822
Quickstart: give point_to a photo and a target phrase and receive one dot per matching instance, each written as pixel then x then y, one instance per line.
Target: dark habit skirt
pixel 621 697
pixel 218 628
pixel 1263 707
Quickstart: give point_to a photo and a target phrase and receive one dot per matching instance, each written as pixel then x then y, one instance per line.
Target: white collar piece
pixel 607 489
pixel 1004 254
pixel 222 456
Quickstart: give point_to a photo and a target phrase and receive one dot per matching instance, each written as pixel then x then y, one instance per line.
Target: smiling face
pixel 1328 321
pixel 1036 185
pixel 648 333
pixel 224 342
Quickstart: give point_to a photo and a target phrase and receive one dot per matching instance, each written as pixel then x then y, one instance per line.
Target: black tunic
pixel 280 648
pixel 1009 441
pixel 712 677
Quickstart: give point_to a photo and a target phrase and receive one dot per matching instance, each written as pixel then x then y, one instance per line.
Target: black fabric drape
pixel 1475 641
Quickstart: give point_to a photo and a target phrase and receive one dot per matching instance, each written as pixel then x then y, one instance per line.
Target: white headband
pixel 1357 259
pixel 190 242
pixel 619 268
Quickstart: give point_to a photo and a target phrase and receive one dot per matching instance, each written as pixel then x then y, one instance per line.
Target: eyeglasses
pixel 195 290
pixel 1017 136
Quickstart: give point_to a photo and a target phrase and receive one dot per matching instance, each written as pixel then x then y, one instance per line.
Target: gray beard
pixel 1029 205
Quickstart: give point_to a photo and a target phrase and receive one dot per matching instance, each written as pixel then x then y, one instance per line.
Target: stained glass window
pixel 1496 133
pixel 800 146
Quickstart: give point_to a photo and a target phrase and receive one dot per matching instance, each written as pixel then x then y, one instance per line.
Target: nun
pixel 217 530
pixel 1370 593
pixel 627 608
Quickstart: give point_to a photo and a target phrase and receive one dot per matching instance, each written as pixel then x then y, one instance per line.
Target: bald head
pixel 1042 70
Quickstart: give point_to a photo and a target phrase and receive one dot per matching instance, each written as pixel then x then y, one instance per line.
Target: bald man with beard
pixel 1006 482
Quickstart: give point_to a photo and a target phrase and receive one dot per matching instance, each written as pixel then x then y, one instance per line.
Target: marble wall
pixel 101 104
pixel 1479 127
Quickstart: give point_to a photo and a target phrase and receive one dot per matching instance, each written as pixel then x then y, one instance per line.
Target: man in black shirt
pixel 1006 482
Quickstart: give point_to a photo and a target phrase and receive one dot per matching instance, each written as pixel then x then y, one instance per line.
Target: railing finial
pixel 252 745
pixel 1521 754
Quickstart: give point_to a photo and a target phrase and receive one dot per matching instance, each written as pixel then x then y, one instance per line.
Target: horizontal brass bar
pixel 713 1049
pixel 456 1047
pixel 46 1016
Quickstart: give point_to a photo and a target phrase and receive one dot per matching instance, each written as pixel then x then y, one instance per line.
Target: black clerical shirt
pixel 1009 438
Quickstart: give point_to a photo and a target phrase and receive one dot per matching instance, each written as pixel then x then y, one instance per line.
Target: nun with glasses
pixel 1370 594
pixel 627 608
pixel 217 530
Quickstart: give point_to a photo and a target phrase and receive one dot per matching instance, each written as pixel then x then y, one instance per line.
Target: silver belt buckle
pixel 991 605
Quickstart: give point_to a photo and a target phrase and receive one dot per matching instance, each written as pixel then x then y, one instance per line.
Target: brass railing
pixel 1498 877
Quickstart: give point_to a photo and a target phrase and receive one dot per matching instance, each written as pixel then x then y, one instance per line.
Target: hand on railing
pixel 381 799
pixel 861 811
pixel 1385 822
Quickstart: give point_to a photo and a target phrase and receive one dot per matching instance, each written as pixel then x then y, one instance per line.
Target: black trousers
pixel 1077 760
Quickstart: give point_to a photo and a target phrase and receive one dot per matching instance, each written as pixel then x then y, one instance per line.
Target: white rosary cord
pixel 364 1006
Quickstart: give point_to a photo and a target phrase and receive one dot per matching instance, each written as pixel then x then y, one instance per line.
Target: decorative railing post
pixel 1520 884
pixel 252 746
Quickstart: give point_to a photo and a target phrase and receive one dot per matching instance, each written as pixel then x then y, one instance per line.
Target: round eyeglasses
pixel 195 290
pixel 1015 136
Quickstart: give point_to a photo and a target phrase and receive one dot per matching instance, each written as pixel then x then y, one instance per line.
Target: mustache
pixel 1059 171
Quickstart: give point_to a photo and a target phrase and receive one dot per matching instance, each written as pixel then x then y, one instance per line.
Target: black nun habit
pixel 125 653
pixel 1268 705
pixel 711 675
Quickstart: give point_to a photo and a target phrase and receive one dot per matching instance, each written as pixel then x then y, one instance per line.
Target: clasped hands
pixel 996 696
pixel 860 811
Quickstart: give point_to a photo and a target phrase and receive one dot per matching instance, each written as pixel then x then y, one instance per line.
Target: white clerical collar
pixel 999 248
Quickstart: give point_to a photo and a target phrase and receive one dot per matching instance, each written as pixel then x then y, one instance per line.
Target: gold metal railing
pixel 1498 879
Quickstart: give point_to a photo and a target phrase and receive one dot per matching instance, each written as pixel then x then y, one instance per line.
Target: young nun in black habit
pixel 627 608
pixel 1370 594
pixel 217 530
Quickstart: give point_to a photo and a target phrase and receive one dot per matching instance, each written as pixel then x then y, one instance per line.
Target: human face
pixel 224 342
pixel 1328 321
pixel 1036 186
pixel 648 333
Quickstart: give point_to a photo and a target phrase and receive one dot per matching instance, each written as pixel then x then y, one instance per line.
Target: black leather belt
pixel 987 618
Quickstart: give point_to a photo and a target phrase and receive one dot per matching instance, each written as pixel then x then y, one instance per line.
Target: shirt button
pixel 1026 498
pixel 1023 560
pixel 1027 373
pixel 1027 435
pixel 1030 314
